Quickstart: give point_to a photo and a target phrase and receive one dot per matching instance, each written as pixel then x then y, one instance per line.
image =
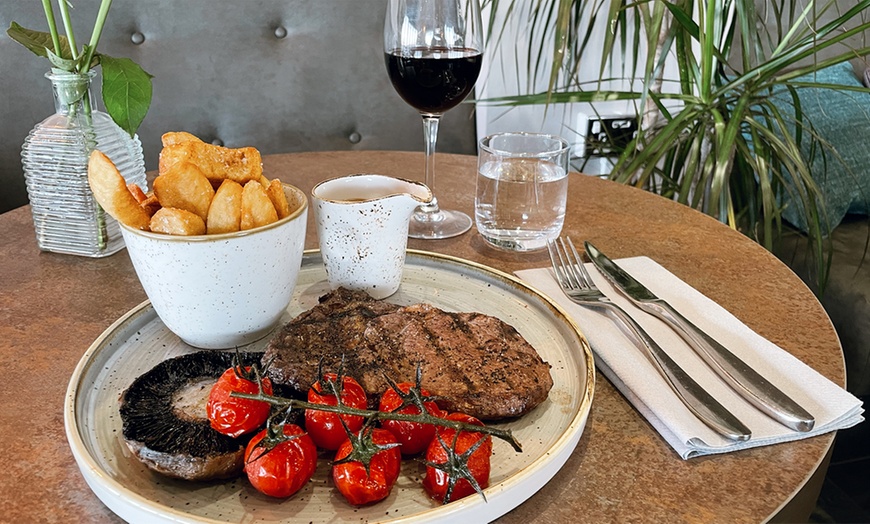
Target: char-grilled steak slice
pixel 475 363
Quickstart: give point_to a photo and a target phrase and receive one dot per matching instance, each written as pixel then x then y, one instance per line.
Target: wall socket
pixel 606 134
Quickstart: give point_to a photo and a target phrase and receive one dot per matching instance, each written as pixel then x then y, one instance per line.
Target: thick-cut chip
pixel 178 137
pixel 184 187
pixel 110 191
pixel 279 199
pixel 225 213
pixel 217 163
pixel 257 207
pixel 173 221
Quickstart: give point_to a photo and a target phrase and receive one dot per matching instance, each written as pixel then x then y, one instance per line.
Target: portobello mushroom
pixel 165 423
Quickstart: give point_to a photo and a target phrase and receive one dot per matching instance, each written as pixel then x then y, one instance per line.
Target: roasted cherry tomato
pixel 413 436
pixel 280 466
pixel 443 453
pixel 325 428
pixel 234 416
pixel 380 448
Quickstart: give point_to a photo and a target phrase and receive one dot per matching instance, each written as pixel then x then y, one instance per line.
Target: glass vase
pixel 55 155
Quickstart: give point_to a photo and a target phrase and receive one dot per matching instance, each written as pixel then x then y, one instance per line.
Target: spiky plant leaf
pixel 726 150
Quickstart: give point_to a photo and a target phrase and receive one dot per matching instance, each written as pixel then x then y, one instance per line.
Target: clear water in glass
pixel 520 203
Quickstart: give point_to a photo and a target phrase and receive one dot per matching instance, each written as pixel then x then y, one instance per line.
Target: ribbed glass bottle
pixel 55 155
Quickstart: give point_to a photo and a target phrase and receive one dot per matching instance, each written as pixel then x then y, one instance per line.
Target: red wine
pixel 433 80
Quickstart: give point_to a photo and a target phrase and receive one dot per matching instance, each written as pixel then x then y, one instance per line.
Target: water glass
pixel 522 187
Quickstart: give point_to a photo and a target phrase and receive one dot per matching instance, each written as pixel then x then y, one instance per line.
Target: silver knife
pixel 735 372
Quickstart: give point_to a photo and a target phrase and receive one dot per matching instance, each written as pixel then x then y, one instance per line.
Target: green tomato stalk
pixel 363 447
pixel 423 417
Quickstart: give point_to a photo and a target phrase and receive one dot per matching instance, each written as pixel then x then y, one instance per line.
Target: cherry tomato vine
pixel 334 404
pixel 423 417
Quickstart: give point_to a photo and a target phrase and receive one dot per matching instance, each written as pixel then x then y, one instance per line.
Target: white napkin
pixel 628 368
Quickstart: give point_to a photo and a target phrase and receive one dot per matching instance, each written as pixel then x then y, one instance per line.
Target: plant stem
pixel 98 31
pixel 426 418
pixel 52 25
pixel 67 26
pixel 86 66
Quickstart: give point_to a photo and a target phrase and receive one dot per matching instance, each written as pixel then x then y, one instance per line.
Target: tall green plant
pixel 713 138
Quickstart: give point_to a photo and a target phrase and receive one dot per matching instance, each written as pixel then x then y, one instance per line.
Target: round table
pixel 53 306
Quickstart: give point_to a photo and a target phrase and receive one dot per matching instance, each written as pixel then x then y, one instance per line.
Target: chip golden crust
pixel 174 221
pixel 257 207
pixel 111 192
pixel 225 213
pixel 184 186
pixel 217 163
pixel 178 137
pixel 151 205
pixel 278 198
pixel 137 193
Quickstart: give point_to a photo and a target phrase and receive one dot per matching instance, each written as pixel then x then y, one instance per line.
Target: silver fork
pixel 579 287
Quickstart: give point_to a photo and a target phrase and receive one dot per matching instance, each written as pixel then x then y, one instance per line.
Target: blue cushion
pixel 842 118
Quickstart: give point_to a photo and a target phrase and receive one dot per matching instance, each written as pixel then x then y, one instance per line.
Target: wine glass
pixel 433 51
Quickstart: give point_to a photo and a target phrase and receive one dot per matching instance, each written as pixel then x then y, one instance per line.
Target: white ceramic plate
pixel 139 340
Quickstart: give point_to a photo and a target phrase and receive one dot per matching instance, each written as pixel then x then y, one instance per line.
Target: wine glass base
pixel 440 224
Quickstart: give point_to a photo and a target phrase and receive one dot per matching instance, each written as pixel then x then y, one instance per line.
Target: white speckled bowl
pixel 227 290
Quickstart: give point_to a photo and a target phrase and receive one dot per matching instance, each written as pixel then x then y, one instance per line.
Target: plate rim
pixel 553 460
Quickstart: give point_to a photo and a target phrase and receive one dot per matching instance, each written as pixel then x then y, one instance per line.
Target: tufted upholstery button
pixel 354 137
pixel 137 38
pixel 280 31
pixel 217 142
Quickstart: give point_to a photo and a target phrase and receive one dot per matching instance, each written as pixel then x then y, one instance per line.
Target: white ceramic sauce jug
pixel 362 223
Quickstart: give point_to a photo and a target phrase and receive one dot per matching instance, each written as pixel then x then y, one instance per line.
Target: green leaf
pixel 563 21
pixel 126 92
pixel 39 42
pixel 64 64
pixel 685 20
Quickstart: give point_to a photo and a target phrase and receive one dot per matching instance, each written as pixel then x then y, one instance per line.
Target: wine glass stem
pixel 430 136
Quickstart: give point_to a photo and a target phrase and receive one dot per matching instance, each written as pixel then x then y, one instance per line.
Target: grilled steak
pixel 475 363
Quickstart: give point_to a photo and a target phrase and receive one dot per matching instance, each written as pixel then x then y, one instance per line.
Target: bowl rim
pixel 223 236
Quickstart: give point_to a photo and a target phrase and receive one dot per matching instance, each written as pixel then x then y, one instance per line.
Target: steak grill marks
pixel 444 354
pixel 474 362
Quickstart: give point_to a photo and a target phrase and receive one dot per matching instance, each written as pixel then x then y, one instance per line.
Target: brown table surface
pixel 52 307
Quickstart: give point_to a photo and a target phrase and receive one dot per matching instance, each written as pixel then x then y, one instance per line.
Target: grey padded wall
pixel 283 76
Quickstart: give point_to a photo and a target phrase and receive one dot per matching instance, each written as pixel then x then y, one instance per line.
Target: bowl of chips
pixel 216 245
